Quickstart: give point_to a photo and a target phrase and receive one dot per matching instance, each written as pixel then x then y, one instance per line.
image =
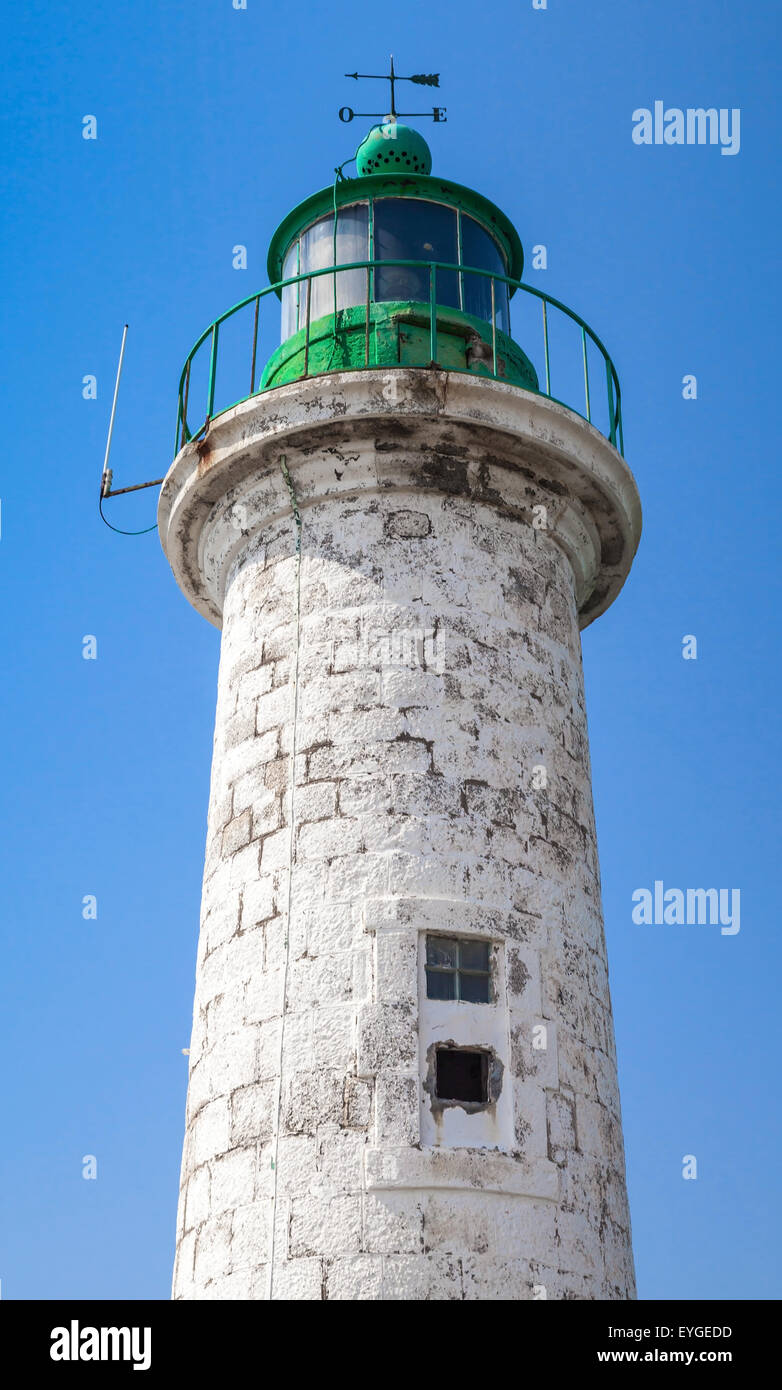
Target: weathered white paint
pixel 382 795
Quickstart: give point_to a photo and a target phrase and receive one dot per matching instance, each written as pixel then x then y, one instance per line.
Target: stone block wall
pixel 400 749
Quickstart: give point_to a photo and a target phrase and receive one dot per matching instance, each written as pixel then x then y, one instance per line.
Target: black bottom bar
pixel 100 1342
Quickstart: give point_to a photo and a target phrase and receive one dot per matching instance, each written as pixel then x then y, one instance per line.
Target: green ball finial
pixel 392 148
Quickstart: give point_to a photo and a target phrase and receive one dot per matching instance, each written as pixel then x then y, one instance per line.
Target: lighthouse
pixel 403 1077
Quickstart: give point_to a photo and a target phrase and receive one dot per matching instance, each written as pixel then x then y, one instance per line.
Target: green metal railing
pixel 210 339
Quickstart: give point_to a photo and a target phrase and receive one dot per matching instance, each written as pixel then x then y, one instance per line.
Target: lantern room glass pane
pixel 410 229
pixel 290 294
pixel 479 249
pixel 316 249
pixel 352 245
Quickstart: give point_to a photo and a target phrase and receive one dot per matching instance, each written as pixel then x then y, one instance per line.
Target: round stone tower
pixel 402 1069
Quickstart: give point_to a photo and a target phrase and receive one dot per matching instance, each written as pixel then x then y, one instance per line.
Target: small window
pixel 461 1075
pixel 457 968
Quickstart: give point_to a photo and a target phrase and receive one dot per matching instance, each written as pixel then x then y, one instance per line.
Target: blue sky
pixel 212 123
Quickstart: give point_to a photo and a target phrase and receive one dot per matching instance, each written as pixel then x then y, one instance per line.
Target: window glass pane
pixel 352 245
pixel 317 251
pixel 290 294
pixel 481 251
pixel 474 989
pixel 410 229
pixel 479 248
pixel 441 984
pixel 441 951
pixel 474 955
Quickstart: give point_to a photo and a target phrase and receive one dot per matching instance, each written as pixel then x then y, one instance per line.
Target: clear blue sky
pixel 212 123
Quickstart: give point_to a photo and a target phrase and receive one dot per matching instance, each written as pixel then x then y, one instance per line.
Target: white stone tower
pixel 402 1069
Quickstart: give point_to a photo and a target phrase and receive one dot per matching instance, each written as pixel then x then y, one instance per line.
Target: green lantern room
pixel 395 267
pixel 410 243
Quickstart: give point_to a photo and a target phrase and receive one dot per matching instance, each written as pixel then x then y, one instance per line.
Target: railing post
pixel 586 375
pixel 185 433
pixel 255 345
pixel 545 346
pixel 307 329
pixel 366 326
pixel 432 314
pixel 493 332
pixel 611 416
pixel 459 258
pixel 212 374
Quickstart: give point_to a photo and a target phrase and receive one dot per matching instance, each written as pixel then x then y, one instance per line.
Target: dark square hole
pixel 461 1075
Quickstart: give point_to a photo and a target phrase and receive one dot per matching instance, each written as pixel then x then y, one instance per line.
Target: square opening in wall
pixel 461 1075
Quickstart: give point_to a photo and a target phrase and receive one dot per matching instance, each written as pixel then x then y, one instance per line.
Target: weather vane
pixel 422 79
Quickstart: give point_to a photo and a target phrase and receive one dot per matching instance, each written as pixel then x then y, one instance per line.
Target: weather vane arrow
pixel 421 79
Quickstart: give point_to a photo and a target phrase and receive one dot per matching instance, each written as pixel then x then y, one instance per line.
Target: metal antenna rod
pixel 105 477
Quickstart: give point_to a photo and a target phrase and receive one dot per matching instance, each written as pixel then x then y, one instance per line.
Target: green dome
pixel 392 148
